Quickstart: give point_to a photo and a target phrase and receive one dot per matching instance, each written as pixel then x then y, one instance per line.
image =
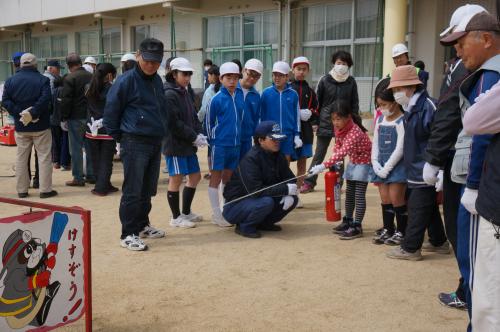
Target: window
pixel 245 36
pixel 87 43
pixel 49 47
pixel 7 48
pixel 141 32
pixel 111 39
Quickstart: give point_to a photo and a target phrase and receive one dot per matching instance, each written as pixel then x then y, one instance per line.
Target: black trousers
pixel 322 143
pixel 37 171
pixel 102 152
pixel 56 144
pixel 423 213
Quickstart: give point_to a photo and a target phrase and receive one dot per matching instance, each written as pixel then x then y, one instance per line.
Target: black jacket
pixel 182 123
pixel 447 119
pixel 74 102
pixel 257 170
pixel 307 99
pixel 95 108
pixel 328 91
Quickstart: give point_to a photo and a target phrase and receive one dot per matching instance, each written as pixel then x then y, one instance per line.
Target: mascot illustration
pixel 26 272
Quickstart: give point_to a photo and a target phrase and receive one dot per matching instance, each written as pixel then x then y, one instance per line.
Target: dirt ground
pixel 210 279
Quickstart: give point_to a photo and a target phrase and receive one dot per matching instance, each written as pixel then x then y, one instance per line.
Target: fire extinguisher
pixel 332 196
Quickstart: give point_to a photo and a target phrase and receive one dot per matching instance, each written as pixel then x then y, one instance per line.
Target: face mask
pixel 341 69
pixel 207 68
pixel 401 98
pixel 386 112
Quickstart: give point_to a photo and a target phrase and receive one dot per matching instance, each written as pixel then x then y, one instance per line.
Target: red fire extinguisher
pixel 332 196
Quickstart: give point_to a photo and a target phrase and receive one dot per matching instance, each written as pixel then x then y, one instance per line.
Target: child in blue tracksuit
pixel 423 210
pixel 280 103
pixel 252 72
pixel 223 126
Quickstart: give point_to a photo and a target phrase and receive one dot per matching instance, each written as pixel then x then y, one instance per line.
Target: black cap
pixel 54 63
pixel 151 50
pixel 269 129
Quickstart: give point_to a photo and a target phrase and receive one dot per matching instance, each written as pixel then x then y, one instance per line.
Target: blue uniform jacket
pixel 417 121
pixel 479 142
pixel 135 105
pixel 251 114
pixel 281 107
pixel 28 88
pixel 223 118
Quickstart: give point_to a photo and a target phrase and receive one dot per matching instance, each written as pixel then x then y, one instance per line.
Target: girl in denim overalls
pixel 389 172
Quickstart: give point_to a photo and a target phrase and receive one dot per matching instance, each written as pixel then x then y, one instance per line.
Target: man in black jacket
pixel 262 167
pixel 74 112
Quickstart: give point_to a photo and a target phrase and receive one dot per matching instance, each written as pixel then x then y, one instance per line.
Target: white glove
pixel 305 114
pixel 26 117
pixel 292 189
pixel 439 183
pixel 298 142
pixel 287 202
pixel 200 141
pixel 469 200
pixel 430 174
pixel 315 170
pixel 94 126
pixel 118 149
pixel 383 173
pixel 64 125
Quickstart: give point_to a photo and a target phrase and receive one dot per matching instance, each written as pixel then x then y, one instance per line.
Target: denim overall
pixel 387 140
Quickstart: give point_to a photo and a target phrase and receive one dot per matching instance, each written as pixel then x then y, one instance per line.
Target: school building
pixel 223 30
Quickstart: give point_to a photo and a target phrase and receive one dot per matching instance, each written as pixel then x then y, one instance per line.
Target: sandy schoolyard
pixel 210 279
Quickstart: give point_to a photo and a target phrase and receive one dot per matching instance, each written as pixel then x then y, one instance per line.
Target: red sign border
pixel 86 216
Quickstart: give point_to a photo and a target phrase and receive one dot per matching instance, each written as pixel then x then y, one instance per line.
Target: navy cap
pixel 151 50
pixel 16 57
pixel 54 63
pixel 269 129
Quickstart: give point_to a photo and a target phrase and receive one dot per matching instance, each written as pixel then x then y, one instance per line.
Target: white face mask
pixel 206 68
pixel 401 98
pixel 386 112
pixel 341 69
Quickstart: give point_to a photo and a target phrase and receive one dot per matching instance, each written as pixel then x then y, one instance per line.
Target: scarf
pixel 337 77
pixel 341 133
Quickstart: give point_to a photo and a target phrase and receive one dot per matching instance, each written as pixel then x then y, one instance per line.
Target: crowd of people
pixel 423 152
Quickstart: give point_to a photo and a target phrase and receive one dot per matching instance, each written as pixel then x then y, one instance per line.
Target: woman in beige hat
pixel 423 211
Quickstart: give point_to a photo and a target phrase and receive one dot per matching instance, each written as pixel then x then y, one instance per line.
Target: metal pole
pixel 280 35
pixel 172 32
pixel 101 41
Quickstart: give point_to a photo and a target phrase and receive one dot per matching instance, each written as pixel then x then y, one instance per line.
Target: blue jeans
pixel 76 134
pixel 141 169
pixel 250 213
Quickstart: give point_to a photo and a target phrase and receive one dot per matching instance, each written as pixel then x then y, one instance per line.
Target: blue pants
pixel 250 213
pixel 467 227
pixel 76 132
pixel 141 169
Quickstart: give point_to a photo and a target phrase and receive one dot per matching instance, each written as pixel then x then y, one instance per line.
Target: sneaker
pixel 151 233
pixel 395 240
pixel 207 176
pixel 306 188
pixel 443 249
pixel 134 243
pixel 400 253
pixel 193 217
pixel 181 222
pixel 379 231
pixel 56 166
pixel 112 189
pixel 342 227
pixel 220 221
pixel 352 232
pixel 384 236
pixel 98 193
pixel 75 183
pixel 451 300
pixel 48 194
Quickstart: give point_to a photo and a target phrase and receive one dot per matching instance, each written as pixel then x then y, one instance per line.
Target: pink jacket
pixel 484 116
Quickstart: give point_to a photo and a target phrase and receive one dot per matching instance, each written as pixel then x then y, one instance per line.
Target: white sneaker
pixel 193 217
pixel 220 221
pixel 181 222
pixel 151 233
pixel 134 243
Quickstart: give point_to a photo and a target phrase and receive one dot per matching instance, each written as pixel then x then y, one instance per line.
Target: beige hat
pixel 404 76
pixel 28 60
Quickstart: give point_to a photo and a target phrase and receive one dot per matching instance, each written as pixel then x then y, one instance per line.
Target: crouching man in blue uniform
pixel 262 167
